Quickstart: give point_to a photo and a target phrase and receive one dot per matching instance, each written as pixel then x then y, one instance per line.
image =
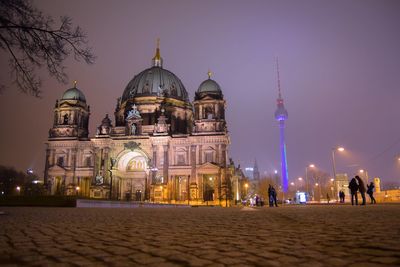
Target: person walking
pixel 328 197
pixel 273 194
pixel 361 188
pixel 341 196
pixel 370 192
pixel 353 186
pixel 270 200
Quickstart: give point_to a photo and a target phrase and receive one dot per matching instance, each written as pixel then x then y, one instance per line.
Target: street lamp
pixel 340 149
pixel 319 190
pixel 300 181
pixel 309 166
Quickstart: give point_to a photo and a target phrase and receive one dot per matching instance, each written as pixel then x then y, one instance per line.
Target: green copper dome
pixel 73 94
pixel 209 86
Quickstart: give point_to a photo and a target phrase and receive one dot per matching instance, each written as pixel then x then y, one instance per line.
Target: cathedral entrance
pixel 209 187
pixel 181 188
pixel 132 174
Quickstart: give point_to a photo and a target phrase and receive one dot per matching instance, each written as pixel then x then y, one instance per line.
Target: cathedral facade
pixel 161 147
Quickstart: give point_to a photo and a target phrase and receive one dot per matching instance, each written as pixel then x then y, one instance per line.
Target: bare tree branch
pixel 32 41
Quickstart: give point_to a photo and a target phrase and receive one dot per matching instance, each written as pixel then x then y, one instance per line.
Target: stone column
pixel 46 165
pixel 200 154
pixel 106 160
pixel 73 153
pixel 193 163
pixel 166 164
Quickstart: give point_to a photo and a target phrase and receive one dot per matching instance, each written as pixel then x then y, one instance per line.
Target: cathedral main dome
pixel 155 81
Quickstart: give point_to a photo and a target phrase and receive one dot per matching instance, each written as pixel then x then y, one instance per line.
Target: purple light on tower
pixel 281 115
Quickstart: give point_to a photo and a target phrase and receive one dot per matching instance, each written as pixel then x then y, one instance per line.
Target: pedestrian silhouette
pixel 273 195
pixel 328 197
pixel 370 192
pixel 361 188
pixel 341 196
pixel 270 200
pixel 353 186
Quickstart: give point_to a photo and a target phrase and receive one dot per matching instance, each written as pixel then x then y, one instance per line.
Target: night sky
pixel 339 63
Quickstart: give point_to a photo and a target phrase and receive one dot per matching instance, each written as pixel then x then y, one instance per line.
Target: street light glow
pixel 316 184
pixel 77 188
pixel 292 183
pixel 311 166
pixel 300 178
pixel 361 171
pixel 340 149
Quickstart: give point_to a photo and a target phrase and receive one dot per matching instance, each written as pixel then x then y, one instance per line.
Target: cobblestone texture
pixel 285 236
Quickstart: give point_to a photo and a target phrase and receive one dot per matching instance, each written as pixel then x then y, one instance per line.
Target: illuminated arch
pixel 126 158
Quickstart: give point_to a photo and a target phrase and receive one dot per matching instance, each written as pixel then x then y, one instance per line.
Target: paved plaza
pixel 320 235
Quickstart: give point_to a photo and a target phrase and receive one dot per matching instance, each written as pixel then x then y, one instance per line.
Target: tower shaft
pixel 285 175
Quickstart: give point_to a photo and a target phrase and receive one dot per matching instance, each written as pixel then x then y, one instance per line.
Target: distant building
pixel 341 184
pixel 249 172
pixel 256 172
pixel 161 146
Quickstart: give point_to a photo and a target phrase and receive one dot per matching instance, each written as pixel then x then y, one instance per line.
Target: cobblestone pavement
pixel 286 236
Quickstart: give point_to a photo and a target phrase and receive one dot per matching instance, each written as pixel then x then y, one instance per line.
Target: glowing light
pixel 77 188
pixel 316 184
pixel 18 188
pixel 341 149
pixel 300 178
pixel 246 185
pixel 332 179
pixel 291 183
pixel 275 171
pixel 311 166
pixel 210 178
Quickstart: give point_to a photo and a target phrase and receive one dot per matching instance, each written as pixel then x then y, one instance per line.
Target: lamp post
pixel 340 149
pixel 300 180
pixel 319 190
pixel 332 180
pixel 309 166
pixel 246 185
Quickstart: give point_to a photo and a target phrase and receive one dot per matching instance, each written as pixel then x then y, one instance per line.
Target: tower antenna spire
pixel 278 78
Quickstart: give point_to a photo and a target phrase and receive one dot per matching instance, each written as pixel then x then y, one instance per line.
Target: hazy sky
pixel 339 62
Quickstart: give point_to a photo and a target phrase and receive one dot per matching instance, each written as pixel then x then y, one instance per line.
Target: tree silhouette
pixel 34 40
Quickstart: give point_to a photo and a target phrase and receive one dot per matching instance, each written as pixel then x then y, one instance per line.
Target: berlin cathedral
pixel 161 147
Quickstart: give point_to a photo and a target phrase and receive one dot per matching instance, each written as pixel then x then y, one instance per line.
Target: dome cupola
pixel 209 88
pixel 74 94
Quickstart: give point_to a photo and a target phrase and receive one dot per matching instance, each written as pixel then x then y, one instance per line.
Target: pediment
pixel 56 170
pixel 208 167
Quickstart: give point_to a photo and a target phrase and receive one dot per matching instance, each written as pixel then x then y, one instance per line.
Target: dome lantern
pixel 157 59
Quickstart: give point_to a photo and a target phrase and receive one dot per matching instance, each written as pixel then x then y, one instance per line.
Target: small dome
pixel 73 94
pixel 209 86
